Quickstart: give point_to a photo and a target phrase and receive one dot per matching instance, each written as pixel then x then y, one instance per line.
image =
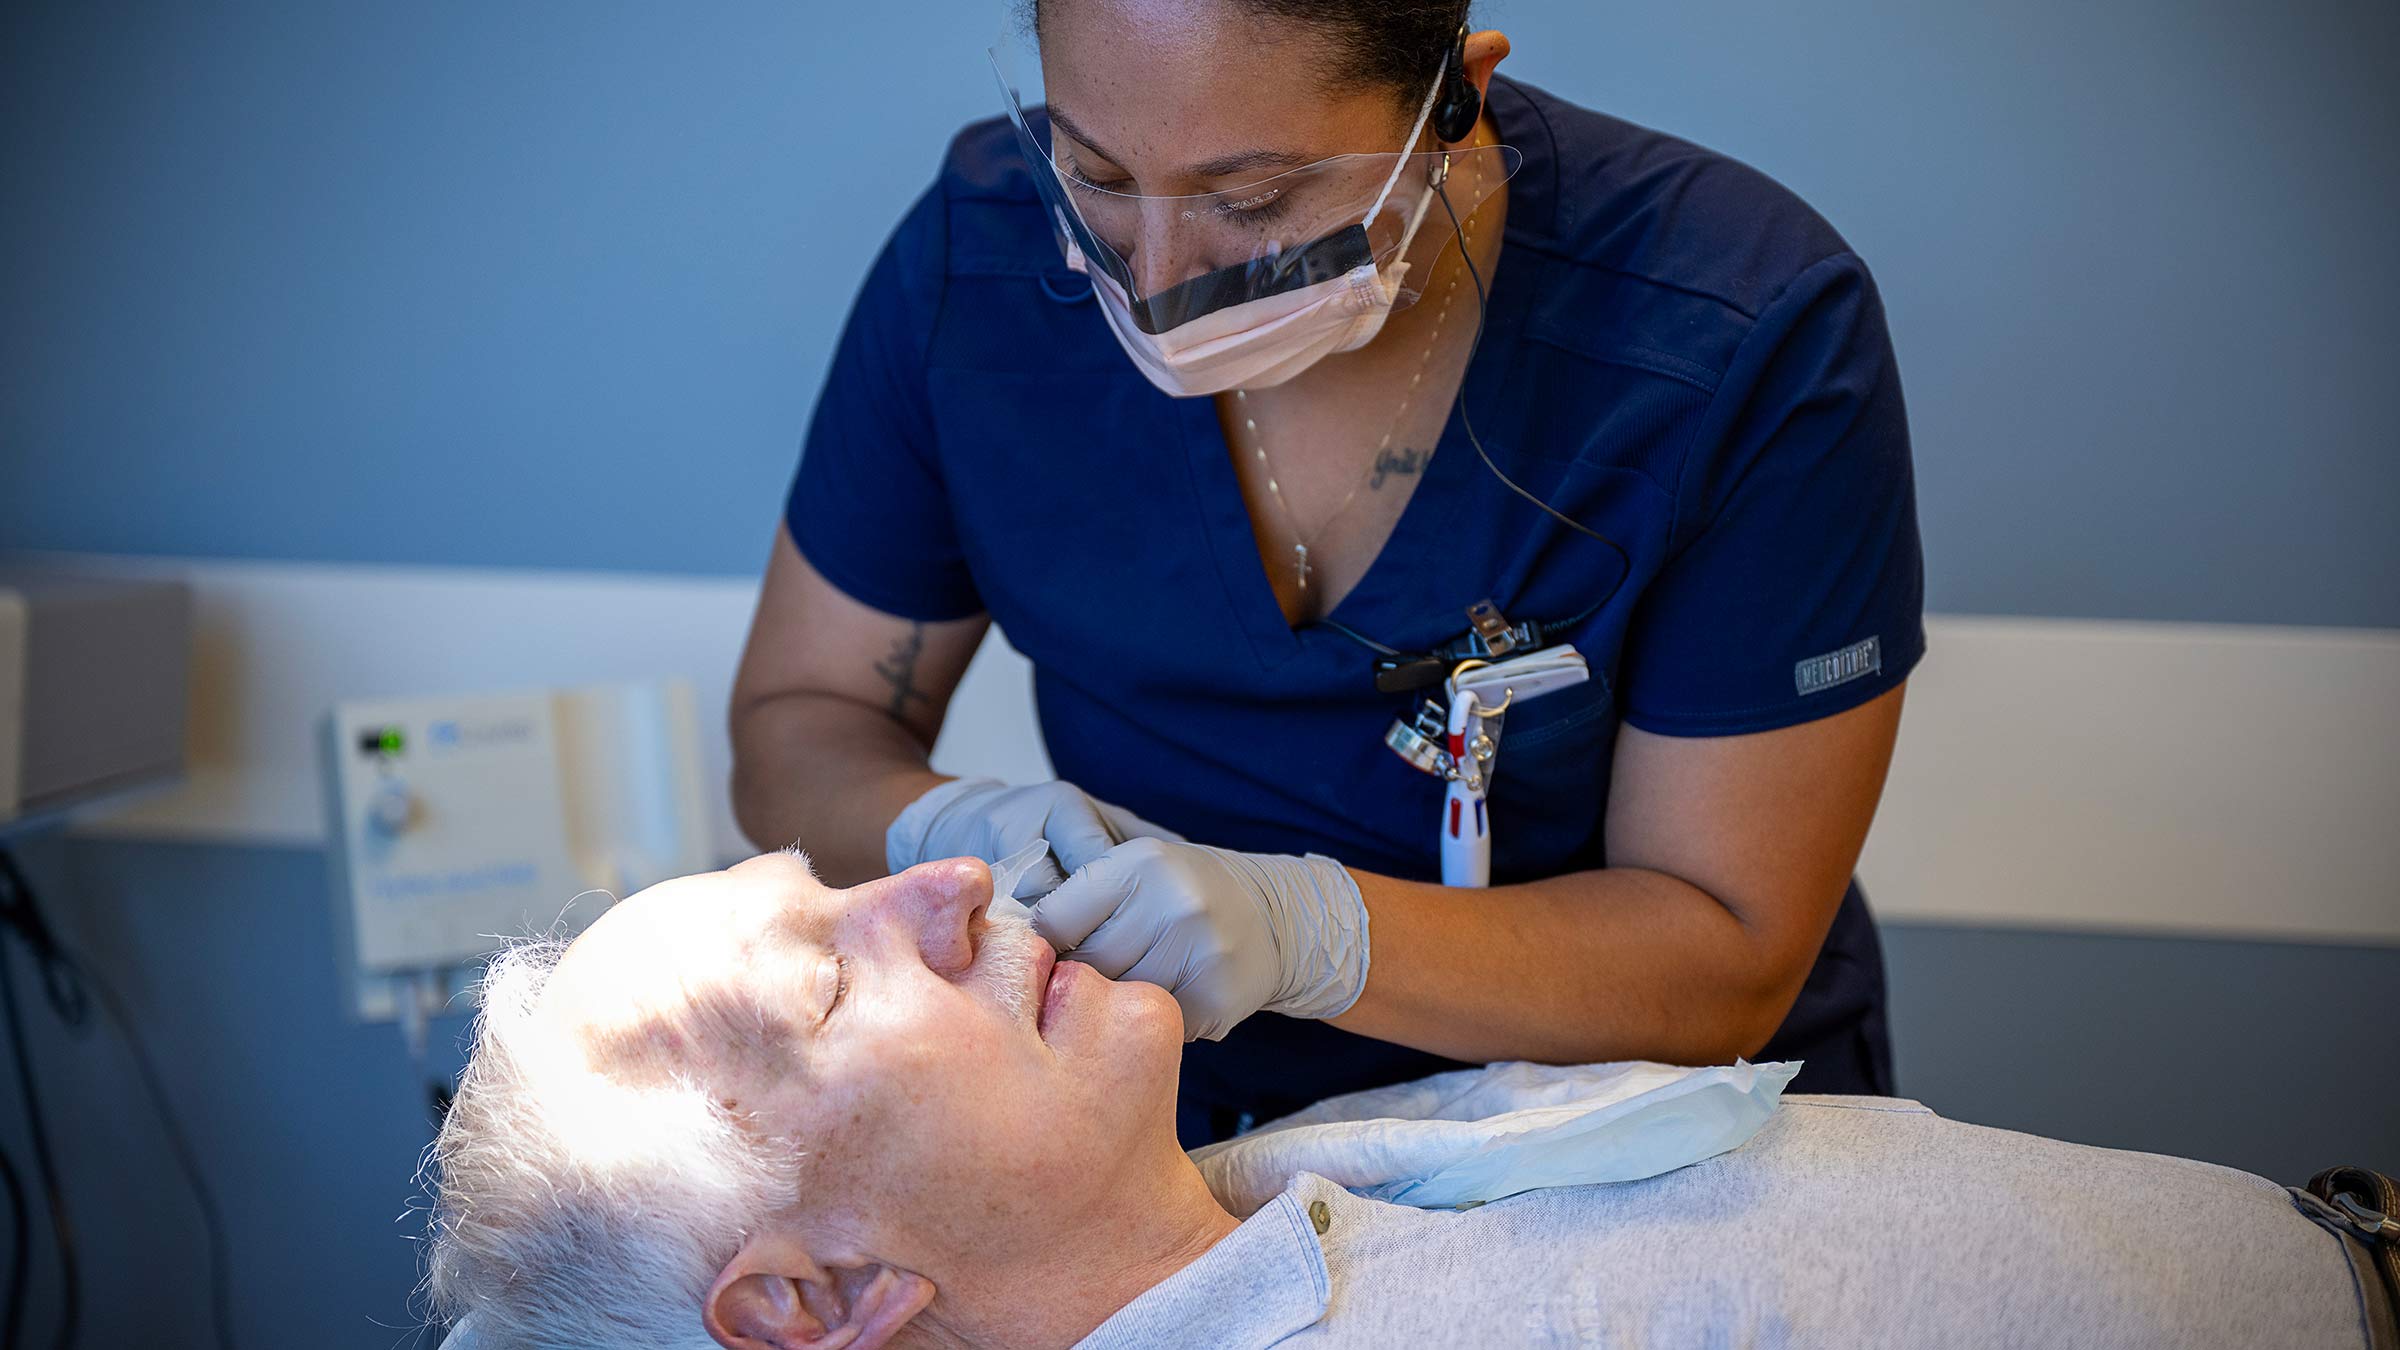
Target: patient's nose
pixel 936 903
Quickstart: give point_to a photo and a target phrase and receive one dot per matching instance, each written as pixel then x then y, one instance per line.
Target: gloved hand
pixel 986 818
pixel 1226 933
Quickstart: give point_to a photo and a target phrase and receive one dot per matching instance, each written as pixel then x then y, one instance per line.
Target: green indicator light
pixel 390 743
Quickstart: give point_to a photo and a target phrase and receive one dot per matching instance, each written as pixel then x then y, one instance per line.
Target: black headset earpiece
pixel 1460 103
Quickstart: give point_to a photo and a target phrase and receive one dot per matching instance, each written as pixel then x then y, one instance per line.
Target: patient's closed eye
pixel 833 981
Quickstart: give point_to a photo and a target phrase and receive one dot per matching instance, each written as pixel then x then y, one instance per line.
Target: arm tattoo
pixel 1402 462
pixel 899 670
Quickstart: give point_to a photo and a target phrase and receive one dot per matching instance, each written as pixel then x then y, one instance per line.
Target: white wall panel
pixel 2201 779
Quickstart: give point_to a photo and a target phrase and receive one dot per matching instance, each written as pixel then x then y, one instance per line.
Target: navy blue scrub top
pixel 1678 352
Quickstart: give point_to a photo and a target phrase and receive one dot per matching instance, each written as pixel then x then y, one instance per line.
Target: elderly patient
pixel 747 1110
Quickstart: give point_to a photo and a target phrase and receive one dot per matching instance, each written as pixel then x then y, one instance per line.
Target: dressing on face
pixel 1007 872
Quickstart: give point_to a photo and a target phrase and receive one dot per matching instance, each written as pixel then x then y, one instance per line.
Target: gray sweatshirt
pixel 1845 1222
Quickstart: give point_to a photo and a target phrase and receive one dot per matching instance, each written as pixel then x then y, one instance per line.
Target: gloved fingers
pixel 1191 927
pixel 945 822
pixel 1202 987
pixel 1202 1023
pixel 1126 825
pixel 1084 901
pixel 1147 935
pixel 1207 1013
pixel 1075 826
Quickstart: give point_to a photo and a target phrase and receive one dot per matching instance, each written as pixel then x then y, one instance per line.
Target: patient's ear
pixel 775 1295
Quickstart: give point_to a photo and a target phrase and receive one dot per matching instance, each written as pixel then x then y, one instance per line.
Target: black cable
pixel 65 980
pixel 1466 417
pixel 212 1220
pixel 1358 637
pixel 1466 420
pixel 62 1228
pixel 20 1248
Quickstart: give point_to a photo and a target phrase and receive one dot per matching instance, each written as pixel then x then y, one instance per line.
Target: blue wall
pixel 552 285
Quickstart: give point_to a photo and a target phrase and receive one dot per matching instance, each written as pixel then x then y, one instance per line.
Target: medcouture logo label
pixel 1819 673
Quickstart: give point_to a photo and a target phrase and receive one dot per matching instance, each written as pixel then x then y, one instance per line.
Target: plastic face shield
pixel 1180 257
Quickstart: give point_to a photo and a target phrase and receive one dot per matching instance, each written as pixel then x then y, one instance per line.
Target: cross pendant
pixel 1300 563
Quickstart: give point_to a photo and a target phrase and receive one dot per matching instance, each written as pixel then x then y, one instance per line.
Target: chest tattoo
pixel 1396 463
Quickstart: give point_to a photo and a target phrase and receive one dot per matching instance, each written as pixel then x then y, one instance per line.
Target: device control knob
pixel 390 809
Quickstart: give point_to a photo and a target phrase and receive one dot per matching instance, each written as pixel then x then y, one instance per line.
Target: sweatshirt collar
pixel 1264 1281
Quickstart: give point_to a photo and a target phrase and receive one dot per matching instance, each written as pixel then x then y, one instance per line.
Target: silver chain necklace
pixel 1258 443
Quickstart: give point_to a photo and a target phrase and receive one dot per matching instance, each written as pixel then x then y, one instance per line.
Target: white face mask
pixel 1263 342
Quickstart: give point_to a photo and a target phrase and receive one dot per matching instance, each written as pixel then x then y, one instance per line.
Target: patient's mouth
pixel 1045 970
pixel 1057 983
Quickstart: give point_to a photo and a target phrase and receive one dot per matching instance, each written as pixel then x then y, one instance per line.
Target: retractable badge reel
pixel 1460 743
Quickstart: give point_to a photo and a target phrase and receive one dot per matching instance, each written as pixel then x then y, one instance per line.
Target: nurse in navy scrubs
pixel 1250 346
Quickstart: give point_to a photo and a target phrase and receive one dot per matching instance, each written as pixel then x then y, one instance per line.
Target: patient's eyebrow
pixel 799 855
pixel 720 1025
pixel 801 924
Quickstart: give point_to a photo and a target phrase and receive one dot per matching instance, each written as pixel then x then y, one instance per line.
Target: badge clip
pixel 1460 744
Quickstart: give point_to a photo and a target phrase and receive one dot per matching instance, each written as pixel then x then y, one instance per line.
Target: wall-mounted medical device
pixel 455 822
pixel 94 688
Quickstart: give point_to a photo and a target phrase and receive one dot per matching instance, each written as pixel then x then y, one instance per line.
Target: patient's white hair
pixel 589 1206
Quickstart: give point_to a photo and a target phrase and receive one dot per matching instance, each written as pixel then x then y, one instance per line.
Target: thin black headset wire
pixel 1358 637
pixel 66 983
pixel 1466 419
pixel 1466 416
pixel 45 1164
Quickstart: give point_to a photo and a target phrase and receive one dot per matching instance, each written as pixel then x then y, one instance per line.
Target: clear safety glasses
pixel 1181 256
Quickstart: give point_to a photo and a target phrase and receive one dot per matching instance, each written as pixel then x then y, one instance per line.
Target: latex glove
pixel 986 818
pixel 1227 933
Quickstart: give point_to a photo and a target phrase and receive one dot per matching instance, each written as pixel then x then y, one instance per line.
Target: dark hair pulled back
pixel 1395 44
